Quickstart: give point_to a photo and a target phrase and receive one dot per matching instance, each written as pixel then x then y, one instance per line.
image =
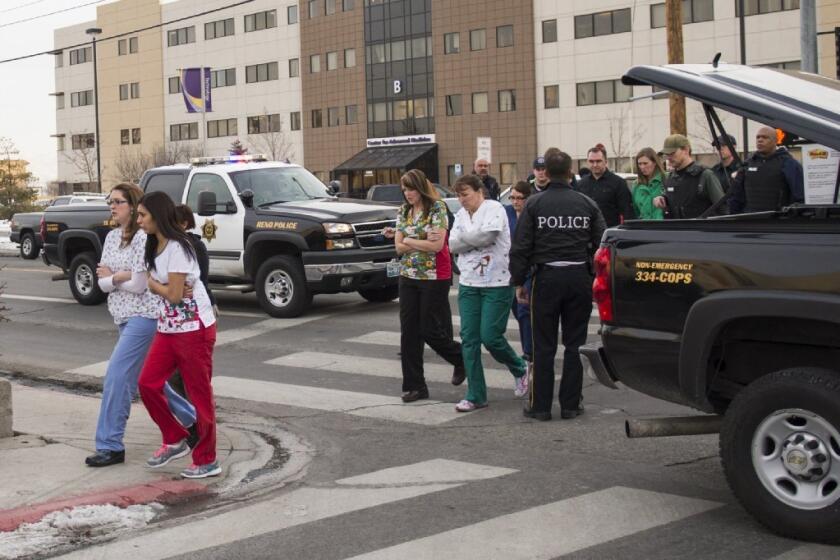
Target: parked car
pixel 26 227
pixel 739 316
pixel 630 178
pixel 392 194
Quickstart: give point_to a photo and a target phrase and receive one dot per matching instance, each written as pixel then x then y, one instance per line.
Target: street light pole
pixel 93 32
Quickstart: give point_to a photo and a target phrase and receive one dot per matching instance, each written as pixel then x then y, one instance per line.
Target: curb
pixel 164 491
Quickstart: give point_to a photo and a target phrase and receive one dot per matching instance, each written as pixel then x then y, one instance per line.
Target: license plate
pixel 393 269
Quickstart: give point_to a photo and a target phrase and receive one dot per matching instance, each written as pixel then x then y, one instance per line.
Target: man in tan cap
pixel 690 189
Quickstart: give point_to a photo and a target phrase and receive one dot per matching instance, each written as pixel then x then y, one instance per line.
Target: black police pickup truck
pixel 739 316
pixel 269 227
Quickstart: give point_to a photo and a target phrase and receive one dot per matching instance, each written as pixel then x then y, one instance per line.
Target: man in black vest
pixel 606 188
pixel 727 168
pixel 690 189
pixel 557 233
pixel 770 178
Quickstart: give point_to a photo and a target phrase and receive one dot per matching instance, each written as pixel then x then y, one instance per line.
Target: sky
pixel 27 112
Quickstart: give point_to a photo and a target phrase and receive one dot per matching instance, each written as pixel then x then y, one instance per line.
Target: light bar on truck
pixel 215 160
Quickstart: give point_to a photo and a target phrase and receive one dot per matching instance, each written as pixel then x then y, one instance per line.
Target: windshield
pixel 279 184
pixel 388 193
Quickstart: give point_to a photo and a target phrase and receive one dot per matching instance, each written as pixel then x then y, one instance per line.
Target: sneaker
pixel 520 387
pixel 468 406
pixel 168 453
pixel 202 471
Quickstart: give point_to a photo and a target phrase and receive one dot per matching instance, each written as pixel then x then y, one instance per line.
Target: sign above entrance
pixel 401 140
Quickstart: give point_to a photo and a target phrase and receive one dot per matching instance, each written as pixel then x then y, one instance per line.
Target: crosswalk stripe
pixel 299 507
pixel 392 338
pixel 380 367
pixel 587 520
pixel 368 405
pixel 38 298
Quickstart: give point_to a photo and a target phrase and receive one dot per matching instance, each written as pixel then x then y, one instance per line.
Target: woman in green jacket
pixel 648 185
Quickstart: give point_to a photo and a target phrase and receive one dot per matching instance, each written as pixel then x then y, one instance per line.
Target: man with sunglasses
pixel 606 188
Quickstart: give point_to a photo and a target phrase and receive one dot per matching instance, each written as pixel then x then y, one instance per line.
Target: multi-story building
pixel 361 90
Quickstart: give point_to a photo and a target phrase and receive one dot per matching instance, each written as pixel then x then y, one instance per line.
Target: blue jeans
pixel 120 385
pixel 522 314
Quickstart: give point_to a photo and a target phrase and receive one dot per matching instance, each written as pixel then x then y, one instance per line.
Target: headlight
pixel 337 228
pixel 340 244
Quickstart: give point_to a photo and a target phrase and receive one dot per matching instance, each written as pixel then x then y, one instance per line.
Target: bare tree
pixel 174 152
pixel 130 164
pixel 83 159
pixel 274 143
pixel 623 138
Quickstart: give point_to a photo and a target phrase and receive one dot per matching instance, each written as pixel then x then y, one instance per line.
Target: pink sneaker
pixel 468 406
pixel 520 387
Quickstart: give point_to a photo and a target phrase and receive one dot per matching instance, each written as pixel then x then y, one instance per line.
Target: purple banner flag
pixel 195 85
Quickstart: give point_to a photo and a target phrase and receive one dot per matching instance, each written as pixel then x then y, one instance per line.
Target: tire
pixel 388 293
pixel 780 448
pixel 29 247
pixel 83 282
pixel 281 287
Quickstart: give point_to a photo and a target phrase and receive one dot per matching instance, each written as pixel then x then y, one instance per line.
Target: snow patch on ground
pixel 72 527
pixel 6 246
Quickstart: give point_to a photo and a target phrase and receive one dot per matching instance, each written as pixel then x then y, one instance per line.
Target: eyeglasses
pixel 117 201
pixel 516 197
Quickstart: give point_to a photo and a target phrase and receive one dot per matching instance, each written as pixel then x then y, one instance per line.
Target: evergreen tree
pixel 237 149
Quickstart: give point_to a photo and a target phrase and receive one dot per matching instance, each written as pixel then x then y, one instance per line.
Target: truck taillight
pixel 42 227
pixel 602 288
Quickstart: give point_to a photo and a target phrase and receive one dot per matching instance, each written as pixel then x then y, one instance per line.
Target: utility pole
pixel 673 23
pixel 93 32
pixel 742 30
pixel 808 35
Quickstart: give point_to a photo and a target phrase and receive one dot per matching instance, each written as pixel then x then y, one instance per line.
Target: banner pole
pixel 203 114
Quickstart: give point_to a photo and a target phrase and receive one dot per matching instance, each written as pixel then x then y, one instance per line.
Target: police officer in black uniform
pixel 557 233
pixel 691 190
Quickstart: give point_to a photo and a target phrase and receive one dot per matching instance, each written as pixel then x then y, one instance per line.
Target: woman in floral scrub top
pixel 425 278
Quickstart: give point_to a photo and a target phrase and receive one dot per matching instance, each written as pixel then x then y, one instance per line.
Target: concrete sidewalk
pixel 43 470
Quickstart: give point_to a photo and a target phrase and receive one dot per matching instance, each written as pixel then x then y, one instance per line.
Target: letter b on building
pixel 397 86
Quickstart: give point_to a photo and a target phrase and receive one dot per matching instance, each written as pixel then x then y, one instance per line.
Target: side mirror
pixel 247 198
pixel 206 203
pixel 334 187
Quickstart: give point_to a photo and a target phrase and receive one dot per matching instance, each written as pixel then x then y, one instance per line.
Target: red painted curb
pixel 163 491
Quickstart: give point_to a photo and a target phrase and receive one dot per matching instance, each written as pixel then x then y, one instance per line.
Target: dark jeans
pixel 560 296
pixel 425 318
pixel 522 314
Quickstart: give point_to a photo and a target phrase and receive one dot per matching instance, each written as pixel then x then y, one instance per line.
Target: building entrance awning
pixel 389 157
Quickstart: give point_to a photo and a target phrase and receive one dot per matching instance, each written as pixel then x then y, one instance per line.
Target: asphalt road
pixel 411 481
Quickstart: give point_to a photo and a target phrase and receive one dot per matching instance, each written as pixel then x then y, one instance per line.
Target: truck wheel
pixel 28 247
pixel 83 282
pixel 388 293
pixel 780 447
pixel 281 287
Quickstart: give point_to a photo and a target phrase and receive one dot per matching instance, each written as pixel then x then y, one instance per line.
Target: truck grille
pixel 369 234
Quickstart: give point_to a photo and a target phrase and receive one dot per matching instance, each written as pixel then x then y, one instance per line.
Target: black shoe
pixel 105 458
pixel 573 413
pixel 541 416
pixel 412 396
pixel 459 375
pixel 192 439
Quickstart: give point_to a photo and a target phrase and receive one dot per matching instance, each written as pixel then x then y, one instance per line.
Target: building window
pixel 122 47
pixel 314 63
pixel 260 21
pixel 80 56
pixel 454 105
pixel 175 84
pixel 507 100
pixel 451 43
pixel 186 131
pixel 292 14
pixel 294 120
pixel 223 78
pixel 549 31
pixel 351 114
pixel 787 65
pixel 602 23
pixel 135 90
pixel 755 7
pixel 81 98
pixel 125 137
pixel 693 11
pixel 59 101
pixel 261 72
pixel 82 141
pixel 349 58
pixel 347 5
pixel 332 116
pixel 317 118
pixel 180 36
pixel 509 173
pixel 332 61
pixel 123 92
pixel 313 9
pixel 294 67
pixel 599 93
pixel 135 135
pixel 217 29
pixel 223 127
pixel 504 36
pixel 478 40
pixel 551 95
pixel 264 124
pixel 133 46
pixel 59 61
pixel 329 7
pixel 479 102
